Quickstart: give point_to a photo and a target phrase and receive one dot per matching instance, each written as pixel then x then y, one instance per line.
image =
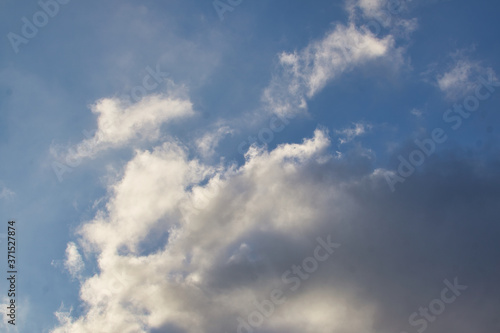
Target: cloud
pixel 164 264
pixel 461 77
pixel 367 9
pixel 144 197
pixel 23 310
pixel 417 112
pixel 304 73
pixel 308 71
pixel 6 193
pixel 183 246
pixel 382 15
pixel 120 123
pixel 208 143
pixel 348 134
pixel 458 81
pixel 73 263
pixel 157 193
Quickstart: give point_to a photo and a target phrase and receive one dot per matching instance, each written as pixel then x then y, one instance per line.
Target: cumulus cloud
pixel 165 265
pixel 182 246
pixel 158 178
pixel 119 123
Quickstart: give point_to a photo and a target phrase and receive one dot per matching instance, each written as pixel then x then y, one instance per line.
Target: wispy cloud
pixel 6 193
pixel 348 134
pixel 416 112
pixel 458 81
pixel 383 14
pixel 74 262
pixel 461 76
pixel 304 73
pixel 209 141
pixel 119 123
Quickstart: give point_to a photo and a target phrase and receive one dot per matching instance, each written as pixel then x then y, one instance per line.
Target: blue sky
pixel 166 163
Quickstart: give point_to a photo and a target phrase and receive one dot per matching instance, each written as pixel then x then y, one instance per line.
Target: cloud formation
pixel 304 73
pixel 73 263
pixel 182 246
pixel 348 134
pixel 380 15
pixel 119 122
pixel 461 77
pixel 166 265
pixel 209 141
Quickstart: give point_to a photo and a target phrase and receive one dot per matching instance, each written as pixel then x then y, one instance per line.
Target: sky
pixel 251 166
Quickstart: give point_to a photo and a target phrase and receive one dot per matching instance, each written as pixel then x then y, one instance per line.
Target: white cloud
pixel 461 78
pixel 367 8
pixel 23 310
pixel 166 263
pixel 120 123
pixel 176 283
pixel 63 315
pixel 208 143
pixel 73 263
pixel 261 218
pixel 458 81
pixel 348 134
pixel 165 260
pixel 152 187
pixel 382 14
pixel 304 73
